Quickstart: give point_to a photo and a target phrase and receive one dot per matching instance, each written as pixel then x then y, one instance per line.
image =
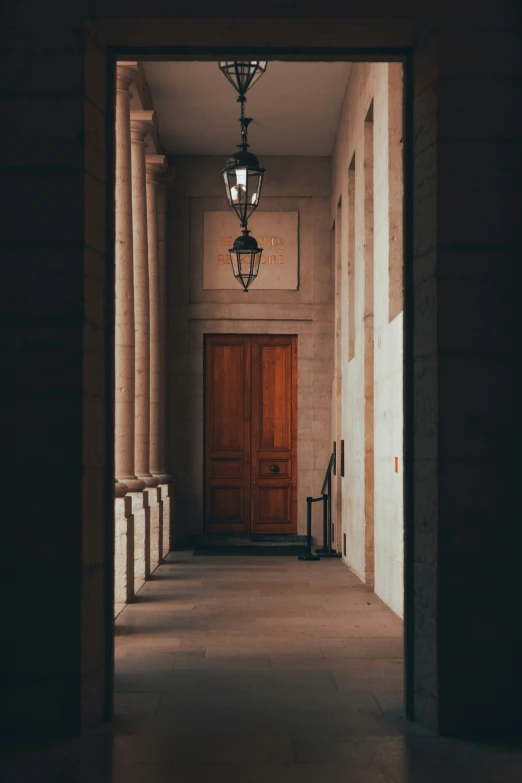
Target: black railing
pixel 326 497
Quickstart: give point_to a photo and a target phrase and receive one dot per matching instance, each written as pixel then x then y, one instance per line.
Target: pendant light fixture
pixel 241 74
pixel 243 176
pixel 245 256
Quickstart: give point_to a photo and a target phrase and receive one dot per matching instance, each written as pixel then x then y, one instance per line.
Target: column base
pixel 167 518
pixel 163 478
pixel 141 559
pixel 123 552
pixel 120 490
pixel 148 480
pixel 155 508
pixel 132 483
pixel 144 535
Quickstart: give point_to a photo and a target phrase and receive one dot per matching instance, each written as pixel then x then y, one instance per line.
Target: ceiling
pixel 295 107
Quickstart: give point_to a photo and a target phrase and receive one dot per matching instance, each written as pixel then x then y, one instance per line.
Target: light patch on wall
pixel 276 234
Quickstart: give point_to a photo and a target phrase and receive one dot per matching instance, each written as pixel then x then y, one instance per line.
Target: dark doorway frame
pixel 290 54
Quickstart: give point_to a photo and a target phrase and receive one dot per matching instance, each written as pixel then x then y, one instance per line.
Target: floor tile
pixel 247 670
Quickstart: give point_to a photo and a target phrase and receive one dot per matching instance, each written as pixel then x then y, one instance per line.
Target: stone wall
pixel 466 413
pixel 291 183
pixel 388 334
pixel 367 176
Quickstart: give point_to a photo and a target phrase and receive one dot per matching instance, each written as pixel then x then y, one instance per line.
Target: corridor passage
pixel 241 669
pixel 246 669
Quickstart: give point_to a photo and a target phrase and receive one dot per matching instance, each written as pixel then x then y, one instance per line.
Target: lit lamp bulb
pixel 241 178
pixel 239 188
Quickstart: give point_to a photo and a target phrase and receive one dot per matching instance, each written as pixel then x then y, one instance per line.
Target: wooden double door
pixel 250 434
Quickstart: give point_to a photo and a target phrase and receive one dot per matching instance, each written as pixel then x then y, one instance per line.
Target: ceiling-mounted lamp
pixel 242 74
pixel 243 177
pixel 245 256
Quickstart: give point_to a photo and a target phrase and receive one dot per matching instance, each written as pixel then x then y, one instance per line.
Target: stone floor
pixel 259 670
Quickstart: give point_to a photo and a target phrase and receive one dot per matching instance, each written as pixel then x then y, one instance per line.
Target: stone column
pixel 166 488
pixel 155 166
pixel 141 124
pixel 164 181
pixel 124 307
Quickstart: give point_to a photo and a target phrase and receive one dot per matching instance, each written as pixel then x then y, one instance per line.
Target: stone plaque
pixel 276 234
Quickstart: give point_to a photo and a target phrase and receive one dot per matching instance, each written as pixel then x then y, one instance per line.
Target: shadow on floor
pixel 252 669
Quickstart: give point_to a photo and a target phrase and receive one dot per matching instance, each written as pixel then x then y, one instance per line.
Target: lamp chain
pixel 245 122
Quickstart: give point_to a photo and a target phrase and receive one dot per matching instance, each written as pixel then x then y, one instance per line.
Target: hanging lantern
pixel 243 178
pixel 241 74
pixel 245 256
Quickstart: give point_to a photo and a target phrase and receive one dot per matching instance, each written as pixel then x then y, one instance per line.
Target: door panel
pixel 274 434
pixel 251 434
pixel 226 504
pixel 227 425
pixel 221 467
pixel 275 504
pixel 227 431
pixel 274 388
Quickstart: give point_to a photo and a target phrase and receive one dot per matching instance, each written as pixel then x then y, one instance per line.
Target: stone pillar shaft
pixel 155 166
pixel 141 124
pixel 162 245
pixel 124 285
pixel 166 489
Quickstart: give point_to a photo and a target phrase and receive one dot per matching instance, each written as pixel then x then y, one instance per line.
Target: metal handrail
pixel 326 497
pixel 328 474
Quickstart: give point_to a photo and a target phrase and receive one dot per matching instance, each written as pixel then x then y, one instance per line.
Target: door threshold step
pixel 261 550
pixel 250 541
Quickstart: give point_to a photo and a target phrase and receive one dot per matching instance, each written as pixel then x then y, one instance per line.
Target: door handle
pixel 274 468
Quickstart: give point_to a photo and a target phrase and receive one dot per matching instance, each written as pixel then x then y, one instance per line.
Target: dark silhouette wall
pixel 462 552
